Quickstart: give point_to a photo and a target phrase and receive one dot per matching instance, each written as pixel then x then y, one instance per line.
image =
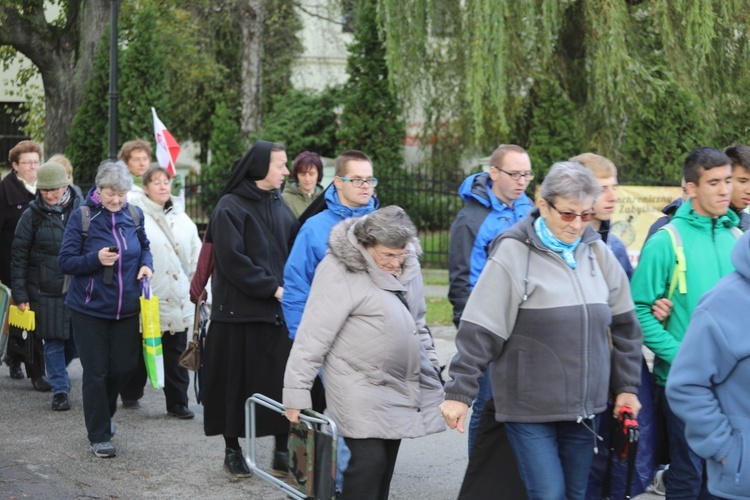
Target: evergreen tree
pixel 226 146
pixel 303 120
pixel 143 78
pixel 554 135
pixel 371 120
pixel 87 143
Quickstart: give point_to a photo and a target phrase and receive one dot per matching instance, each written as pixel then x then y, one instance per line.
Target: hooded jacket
pixel 296 199
pixel 708 244
pixel 175 246
pixel 545 330
pixel 482 218
pixel 708 384
pixel 379 363
pixel 36 277
pixel 248 267
pixel 309 249
pixel 79 257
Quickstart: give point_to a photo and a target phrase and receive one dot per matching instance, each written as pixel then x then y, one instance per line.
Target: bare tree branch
pixel 315 14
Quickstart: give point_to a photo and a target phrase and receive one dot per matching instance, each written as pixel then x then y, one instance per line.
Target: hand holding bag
pixel 21 332
pixel 151 326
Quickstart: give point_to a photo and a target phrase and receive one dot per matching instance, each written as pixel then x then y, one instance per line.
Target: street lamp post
pixel 113 80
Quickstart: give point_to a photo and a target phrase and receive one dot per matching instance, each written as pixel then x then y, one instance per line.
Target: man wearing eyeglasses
pixel 495 200
pixel 708 230
pixel 352 196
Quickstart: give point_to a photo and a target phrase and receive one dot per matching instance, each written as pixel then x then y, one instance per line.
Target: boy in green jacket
pixel 704 225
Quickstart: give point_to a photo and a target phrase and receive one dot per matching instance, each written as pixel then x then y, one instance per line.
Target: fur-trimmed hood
pixel 344 245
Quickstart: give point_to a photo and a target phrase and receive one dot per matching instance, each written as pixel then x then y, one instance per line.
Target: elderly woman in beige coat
pixel 364 323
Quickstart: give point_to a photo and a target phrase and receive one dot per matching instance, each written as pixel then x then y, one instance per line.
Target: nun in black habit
pixel 252 231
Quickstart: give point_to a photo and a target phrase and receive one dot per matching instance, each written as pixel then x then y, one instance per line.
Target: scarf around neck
pixel 566 250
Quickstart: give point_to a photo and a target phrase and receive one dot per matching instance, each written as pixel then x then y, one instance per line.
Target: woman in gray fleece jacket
pixel 364 323
pixel 540 312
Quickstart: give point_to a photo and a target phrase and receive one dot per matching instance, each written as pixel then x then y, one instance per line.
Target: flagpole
pixel 113 79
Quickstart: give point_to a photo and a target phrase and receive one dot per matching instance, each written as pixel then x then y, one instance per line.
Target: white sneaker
pixel 658 486
pixel 103 450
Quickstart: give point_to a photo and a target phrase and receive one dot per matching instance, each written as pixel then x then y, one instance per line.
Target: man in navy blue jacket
pixel 495 200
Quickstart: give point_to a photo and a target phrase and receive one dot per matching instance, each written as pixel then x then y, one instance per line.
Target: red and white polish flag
pixel 167 147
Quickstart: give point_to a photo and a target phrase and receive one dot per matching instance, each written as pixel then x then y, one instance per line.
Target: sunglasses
pixel 571 216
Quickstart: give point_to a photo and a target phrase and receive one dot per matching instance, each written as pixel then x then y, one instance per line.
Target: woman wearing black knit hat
pixel 252 231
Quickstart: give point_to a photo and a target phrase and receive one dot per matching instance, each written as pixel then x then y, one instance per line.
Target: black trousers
pixel 370 470
pixel 109 352
pixel 176 378
pixel 492 472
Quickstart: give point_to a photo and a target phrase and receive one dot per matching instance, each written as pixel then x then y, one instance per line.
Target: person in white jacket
pixel 175 245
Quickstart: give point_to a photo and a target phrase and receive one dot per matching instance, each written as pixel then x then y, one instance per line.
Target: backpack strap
pixel 139 230
pixel 85 220
pixel 679 274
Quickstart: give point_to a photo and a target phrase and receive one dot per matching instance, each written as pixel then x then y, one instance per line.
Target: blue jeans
pixel 58 354
pixel 484 395
pixel 553 458
pixel 686 476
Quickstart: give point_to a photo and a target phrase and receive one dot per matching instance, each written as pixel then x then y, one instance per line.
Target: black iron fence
pixel 431 200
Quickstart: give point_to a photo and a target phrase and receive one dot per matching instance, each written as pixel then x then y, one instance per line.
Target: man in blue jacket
pixel 495 200
pixel 707 386
pixel 352 196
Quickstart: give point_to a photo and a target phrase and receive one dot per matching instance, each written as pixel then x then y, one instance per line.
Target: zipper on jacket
pixel 739 462
pixel 89 290
pixel 586 335
pixel 119 267
pixel 585 414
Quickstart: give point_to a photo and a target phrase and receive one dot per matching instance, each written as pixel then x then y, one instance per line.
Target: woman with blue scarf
pixel 541 313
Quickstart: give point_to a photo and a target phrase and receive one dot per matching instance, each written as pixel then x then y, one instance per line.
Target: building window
pixel 10 130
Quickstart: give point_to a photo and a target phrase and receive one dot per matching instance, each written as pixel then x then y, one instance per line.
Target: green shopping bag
pixel 151 328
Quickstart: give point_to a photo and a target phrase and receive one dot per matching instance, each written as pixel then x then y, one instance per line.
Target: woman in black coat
pixel 252 231
pixel 37 282
pixel 17 189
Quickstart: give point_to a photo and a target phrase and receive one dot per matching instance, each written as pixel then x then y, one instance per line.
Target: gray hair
pixel 114 175
pixel 569 179
pixel 389 226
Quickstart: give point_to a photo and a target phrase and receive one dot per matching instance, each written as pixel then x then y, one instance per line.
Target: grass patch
pixel 435 277
pixel 439 311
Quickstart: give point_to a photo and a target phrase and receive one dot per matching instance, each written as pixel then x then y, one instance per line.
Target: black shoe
pixel 234 463
pixel 60 402
pixel 131 404
pixel 41 384
pixel 280 464
pixel 15 371
pixel 180 411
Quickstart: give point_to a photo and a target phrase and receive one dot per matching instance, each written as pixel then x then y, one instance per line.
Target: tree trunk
pixel 64 56
pixel 251 13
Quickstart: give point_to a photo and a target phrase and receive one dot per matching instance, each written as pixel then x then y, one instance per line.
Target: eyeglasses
pixel 516 175
pixel 30 162
pixel 571 216
pixel 52 190
pixel 358 183
pixel 390 256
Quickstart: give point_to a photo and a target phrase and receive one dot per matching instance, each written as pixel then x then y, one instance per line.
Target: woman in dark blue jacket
pixel 106 264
